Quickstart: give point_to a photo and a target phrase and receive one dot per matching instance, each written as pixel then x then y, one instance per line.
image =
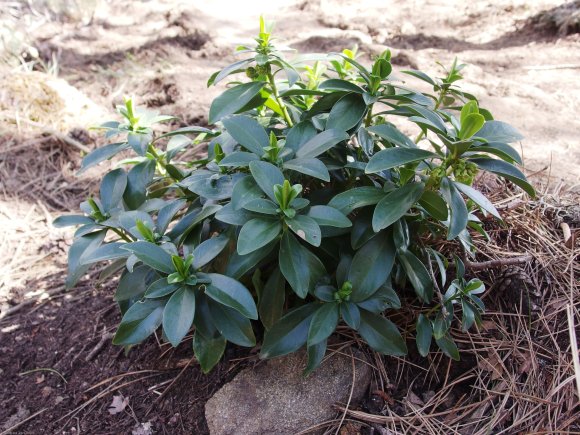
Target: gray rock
pixel 275 398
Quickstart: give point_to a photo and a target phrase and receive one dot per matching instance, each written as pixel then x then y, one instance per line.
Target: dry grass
pixel 517 372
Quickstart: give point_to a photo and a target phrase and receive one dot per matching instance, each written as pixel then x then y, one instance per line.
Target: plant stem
pixel 369 117
pixel 121 235
pixel 437 104
pixel 279 100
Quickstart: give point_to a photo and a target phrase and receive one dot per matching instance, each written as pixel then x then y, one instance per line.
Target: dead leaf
pixel 119 404
pixel 40 379
pixel 414 399
pixel 143 429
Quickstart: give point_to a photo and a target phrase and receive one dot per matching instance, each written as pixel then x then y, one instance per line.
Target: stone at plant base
pixel 275 398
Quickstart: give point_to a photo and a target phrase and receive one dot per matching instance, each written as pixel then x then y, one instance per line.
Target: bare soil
pixel 516 372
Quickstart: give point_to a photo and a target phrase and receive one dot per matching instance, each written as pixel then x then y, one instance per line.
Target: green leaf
pixel 238 159
pixel 350 314
pixel 245 190
pixel 371 266
pixel 420 75
pixel 301 268
pixel 434 205
pixel 323 324
pixel 289 334
pixel 267 176
pixel 232 325
pixel 208 351
pixel 306 228
pixel 381 334
pixel 478 198
pixel 230 69
pixel 315 356
pixel 468 109
pixel 139 322
pixel 350 200
pixel 229 215
pixel 470 125
pixel 347 112
pixel 271 305
pixel 233 100
pixel 101 154
pixel 329 216
pixel 81 246
pixel 391 134
pixel 313 167
pixel 394 157
pixel 159 288
pixel 105 252
pixel 424 335
pixel 320 143
pixel 133 284
pixel 262 206
pixel 208 250
pixel 71 220
pixel 299 134
pixel 448 346
pixel 507 171
pixel 458 210
pixel 340 85
pixel 238 265
pixel 248 133
pixel 396 204
pixel 502 150
pixel 151 255
pixel 112 188
pixel 178 315
pixel 497 131
pixel 257 233
pixel 231 293
pixel 138 179
pixel 417 274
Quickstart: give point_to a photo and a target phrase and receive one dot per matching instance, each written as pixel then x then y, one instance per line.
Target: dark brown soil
pixel 59 335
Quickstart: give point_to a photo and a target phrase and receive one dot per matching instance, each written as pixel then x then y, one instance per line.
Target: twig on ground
pixel 99 346
pixel 498 262
pixel 17 425
pixel 21 305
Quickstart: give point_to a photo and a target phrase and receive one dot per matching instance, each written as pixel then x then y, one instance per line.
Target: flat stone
pixel 274 397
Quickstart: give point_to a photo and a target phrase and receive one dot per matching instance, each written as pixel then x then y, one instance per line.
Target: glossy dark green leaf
pixel 396 204
pixel 229 215
pixel 299 134
pixel 506 170
pixel 300 267
pixel 391 134
pixel 105 252
pixel 424 335
pixel 160 288
pixel 394 157
pixel 498 131
pixel 151 255
pixel 320 143
pixel 101 154
pixel 139 141
pixel 138 178
pixel 366 141
pixel 329 216
pixel 315 356
pixel 289 334
pixel 178 315
pixel 71 220
pixel 385 297
pixel 478 198
pixel 381 334
pixel 371 266
pixel 262 206
pixel 458 210
pixel 238 159
pixel 167 213
pixel 347 112
pixel 266 176
pixel 232 325
pixel 313 167
pixel 238 265
pixel 362 230
pixel 230 69
pixel 340 85
pixel 306 228
pixel 208 351
pixel 139 322
pixel 502 150
pixel 233 100
pixel 133 284
pixel 248 133
pixel 434 205
pixel 350 314
pixel 324 322
pixel 350 200
pixel 212 186
pixel 420 75
pixel 272 299
pixel 233 294
pixel 448 346
pixel 417 274
pixel 81 246
pixel 191 219
pixel 245 190
pixel 208 250
pixel 257 233
pixel 112 188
